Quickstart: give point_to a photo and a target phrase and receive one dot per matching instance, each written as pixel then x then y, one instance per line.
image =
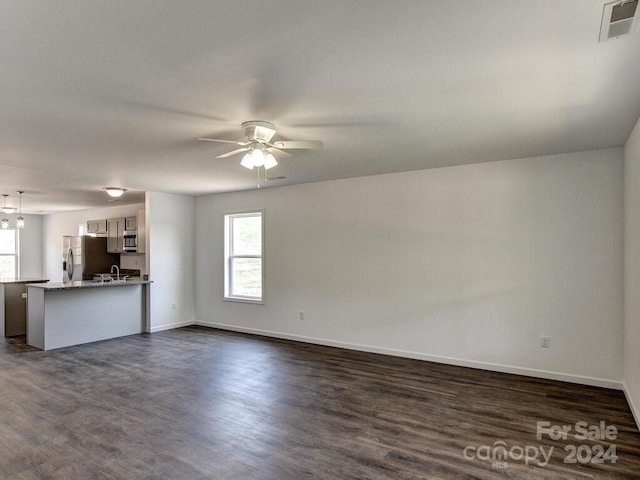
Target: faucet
pixel 117 271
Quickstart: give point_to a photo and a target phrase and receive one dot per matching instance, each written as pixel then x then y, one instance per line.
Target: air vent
pixel 618 19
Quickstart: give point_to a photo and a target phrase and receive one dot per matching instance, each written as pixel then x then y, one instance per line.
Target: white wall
pixel 170 256
pixel 632 271
pixel 468 265
pixel 56 225
pixel 30 245
pixel 134 261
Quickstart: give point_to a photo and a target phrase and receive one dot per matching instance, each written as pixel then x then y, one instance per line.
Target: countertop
pixel 87 284
pixel 22 280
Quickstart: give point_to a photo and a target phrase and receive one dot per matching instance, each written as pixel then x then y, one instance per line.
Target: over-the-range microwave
pixel 130 241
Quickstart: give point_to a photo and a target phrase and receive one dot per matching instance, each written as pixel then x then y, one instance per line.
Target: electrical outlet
pixel 301 316
pixel 545 341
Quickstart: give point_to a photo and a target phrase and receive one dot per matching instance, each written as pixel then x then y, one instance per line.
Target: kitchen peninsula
pixel 71 313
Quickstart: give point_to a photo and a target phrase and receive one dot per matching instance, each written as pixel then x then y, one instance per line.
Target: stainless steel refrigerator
pixel 82 257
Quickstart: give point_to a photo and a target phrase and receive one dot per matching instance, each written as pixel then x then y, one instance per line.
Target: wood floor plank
pixel 197 403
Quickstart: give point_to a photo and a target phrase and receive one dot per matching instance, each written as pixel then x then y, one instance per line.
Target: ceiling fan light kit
pixel 246 161
pixel 269 161
pixel 257 158
pixel 259 151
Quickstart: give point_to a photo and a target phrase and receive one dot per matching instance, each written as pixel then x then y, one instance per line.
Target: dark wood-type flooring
pixel 197 403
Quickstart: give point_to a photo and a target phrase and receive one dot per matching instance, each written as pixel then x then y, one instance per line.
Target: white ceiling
pixel 96 93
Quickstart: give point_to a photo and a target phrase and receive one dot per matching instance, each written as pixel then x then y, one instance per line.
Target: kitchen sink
pixel 111 280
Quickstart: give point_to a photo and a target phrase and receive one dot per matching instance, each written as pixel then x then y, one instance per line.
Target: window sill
pixel 243 300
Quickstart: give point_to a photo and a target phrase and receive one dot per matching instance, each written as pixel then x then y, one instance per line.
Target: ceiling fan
pixel 258 145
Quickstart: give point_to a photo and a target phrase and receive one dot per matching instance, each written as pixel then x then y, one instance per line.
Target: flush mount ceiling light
pixel 6 209
pixel 114 192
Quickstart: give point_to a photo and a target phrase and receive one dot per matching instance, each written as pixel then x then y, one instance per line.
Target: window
pixel 9 253
pixel 244 272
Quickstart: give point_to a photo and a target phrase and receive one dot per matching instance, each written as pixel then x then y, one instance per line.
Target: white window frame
pixel 229 257
pixel 16 253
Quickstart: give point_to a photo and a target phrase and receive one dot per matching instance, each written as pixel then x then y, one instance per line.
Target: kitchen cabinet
pixel 115 235
pixel 13 293
pixel 131 223
pixel 115 228
pixel 58 315
pixel 97 227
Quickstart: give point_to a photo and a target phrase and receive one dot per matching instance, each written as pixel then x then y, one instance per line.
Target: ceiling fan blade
pixel 298 144
pixel 234 152
pixel 168 110
pixel 222 141
pixel 340 122
pixel 279 153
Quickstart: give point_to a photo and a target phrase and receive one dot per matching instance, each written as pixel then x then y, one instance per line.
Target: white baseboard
pixel 170 326
pixel 632 405
pixel 494 367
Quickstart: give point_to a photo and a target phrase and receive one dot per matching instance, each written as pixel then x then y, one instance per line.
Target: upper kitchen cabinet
pixel 115 235
pixel 126 234
pixel 131 223
pixel 97 227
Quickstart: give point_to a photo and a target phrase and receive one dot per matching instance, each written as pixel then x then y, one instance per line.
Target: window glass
pixel 244 256
pixel 247 277
pixel 247 235
pixel 8 254
pixel 7 266
pixel 8 242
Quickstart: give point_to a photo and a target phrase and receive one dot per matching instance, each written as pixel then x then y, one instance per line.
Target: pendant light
pixel 6 209
pixel 20 219
pixel 5 221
